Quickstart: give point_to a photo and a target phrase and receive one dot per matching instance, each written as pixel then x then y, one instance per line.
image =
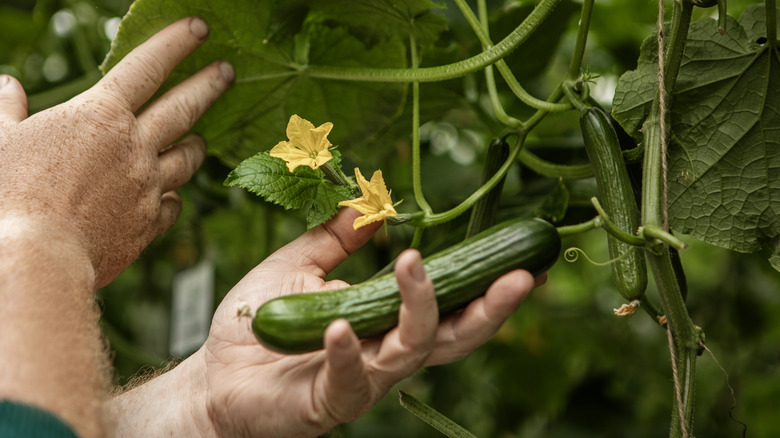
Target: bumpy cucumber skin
pixel 461 273
pixel 617 198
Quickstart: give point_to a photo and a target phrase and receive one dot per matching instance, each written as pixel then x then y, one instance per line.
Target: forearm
pixel 52 353
pixel 171 403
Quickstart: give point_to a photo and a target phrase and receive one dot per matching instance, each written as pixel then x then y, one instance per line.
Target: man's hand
pixel 86 185
pixel 98 170
pixel 234 387
pixel 256 392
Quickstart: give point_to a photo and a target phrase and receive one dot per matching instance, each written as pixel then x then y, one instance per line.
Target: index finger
pixel 322 248
pixel 463 332
pixel 138 75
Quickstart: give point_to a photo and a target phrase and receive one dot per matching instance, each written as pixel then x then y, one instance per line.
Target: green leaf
pixel 555 204
pixel 325 204
pixel 269 178
pixel 380 19
pixel 434 418
pixel 267 42
pixel 724 163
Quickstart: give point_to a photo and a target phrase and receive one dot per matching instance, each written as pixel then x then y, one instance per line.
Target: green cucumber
pixel 484 211
pixel 629 272
pixel 461 273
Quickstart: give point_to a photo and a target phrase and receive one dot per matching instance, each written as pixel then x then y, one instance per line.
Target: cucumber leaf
pixel 269 178
pixel 270 44
pixel 724 160
pixel 378 19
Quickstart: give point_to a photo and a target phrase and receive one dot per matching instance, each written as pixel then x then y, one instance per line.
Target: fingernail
pixel 4 80
pixel 418 271
pixel 227 71
pixel 199 28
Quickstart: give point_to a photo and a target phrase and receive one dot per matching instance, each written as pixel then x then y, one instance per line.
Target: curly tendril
pixel 572 254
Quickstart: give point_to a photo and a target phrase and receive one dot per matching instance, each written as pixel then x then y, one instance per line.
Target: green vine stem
pixel 480 28
pixel 678 35
pixel 651 309
pixel 575 99
pixel 771 24
pixel 571 230
pixel 416 172
pixel 613 229
pixel 554 170
pixel 686 341
pixel 490 80
pixel 684 337
pixel 495 102
pixel 582 39
pixel 429 220
pixel 442 72
pixel 655 236
pixel 542 10
pixel 722 18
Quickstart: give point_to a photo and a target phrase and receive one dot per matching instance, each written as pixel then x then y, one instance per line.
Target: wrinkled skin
pixel 99 170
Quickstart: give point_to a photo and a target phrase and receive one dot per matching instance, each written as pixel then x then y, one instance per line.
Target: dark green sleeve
pixel 25 421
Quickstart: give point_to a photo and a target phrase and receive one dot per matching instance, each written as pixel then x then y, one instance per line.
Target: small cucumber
pixel 484 211
pixel 617 197
pixel 461 273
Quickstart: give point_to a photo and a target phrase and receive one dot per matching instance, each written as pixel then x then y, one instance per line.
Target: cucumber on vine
pixel 461 273
pixel 484 211
pixel 629 271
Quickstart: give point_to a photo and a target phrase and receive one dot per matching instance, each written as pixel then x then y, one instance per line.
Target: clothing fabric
pixel 19 420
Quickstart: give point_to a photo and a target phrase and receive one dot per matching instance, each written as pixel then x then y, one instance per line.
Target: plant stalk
pixel 685 337
pixel 439 218
pixel 555 170
pixel 686 341
pixel 416 172
pixel 443 72
pixel 582 40
pixel 480 29
pixel 571 230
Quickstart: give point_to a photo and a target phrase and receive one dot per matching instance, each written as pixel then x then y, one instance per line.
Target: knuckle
pixel 188 107
pixel 151 69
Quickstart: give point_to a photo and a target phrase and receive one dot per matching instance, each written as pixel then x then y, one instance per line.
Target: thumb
pixel 13 101
pixel 322 248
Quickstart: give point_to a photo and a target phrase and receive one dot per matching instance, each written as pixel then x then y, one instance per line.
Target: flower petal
pixel 292 155
pixel 297 128
pixel 379 194
pixel 358 204
pixel 365 186
pixel 319 137
pixel 305 136
pixel 375 204
pixel 364 220
pixel 322 158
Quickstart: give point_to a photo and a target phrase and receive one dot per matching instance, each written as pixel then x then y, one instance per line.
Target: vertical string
pixel 662 112
pixel 677 387
pixel 662 129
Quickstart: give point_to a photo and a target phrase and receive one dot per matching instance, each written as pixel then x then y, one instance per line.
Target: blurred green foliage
pixel 564 365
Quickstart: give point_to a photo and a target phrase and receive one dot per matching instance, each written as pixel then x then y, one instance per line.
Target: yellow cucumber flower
pixel 308 146
pixel 375 204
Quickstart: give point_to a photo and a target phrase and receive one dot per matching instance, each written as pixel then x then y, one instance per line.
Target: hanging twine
pixel 662 111
pixel 662 129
